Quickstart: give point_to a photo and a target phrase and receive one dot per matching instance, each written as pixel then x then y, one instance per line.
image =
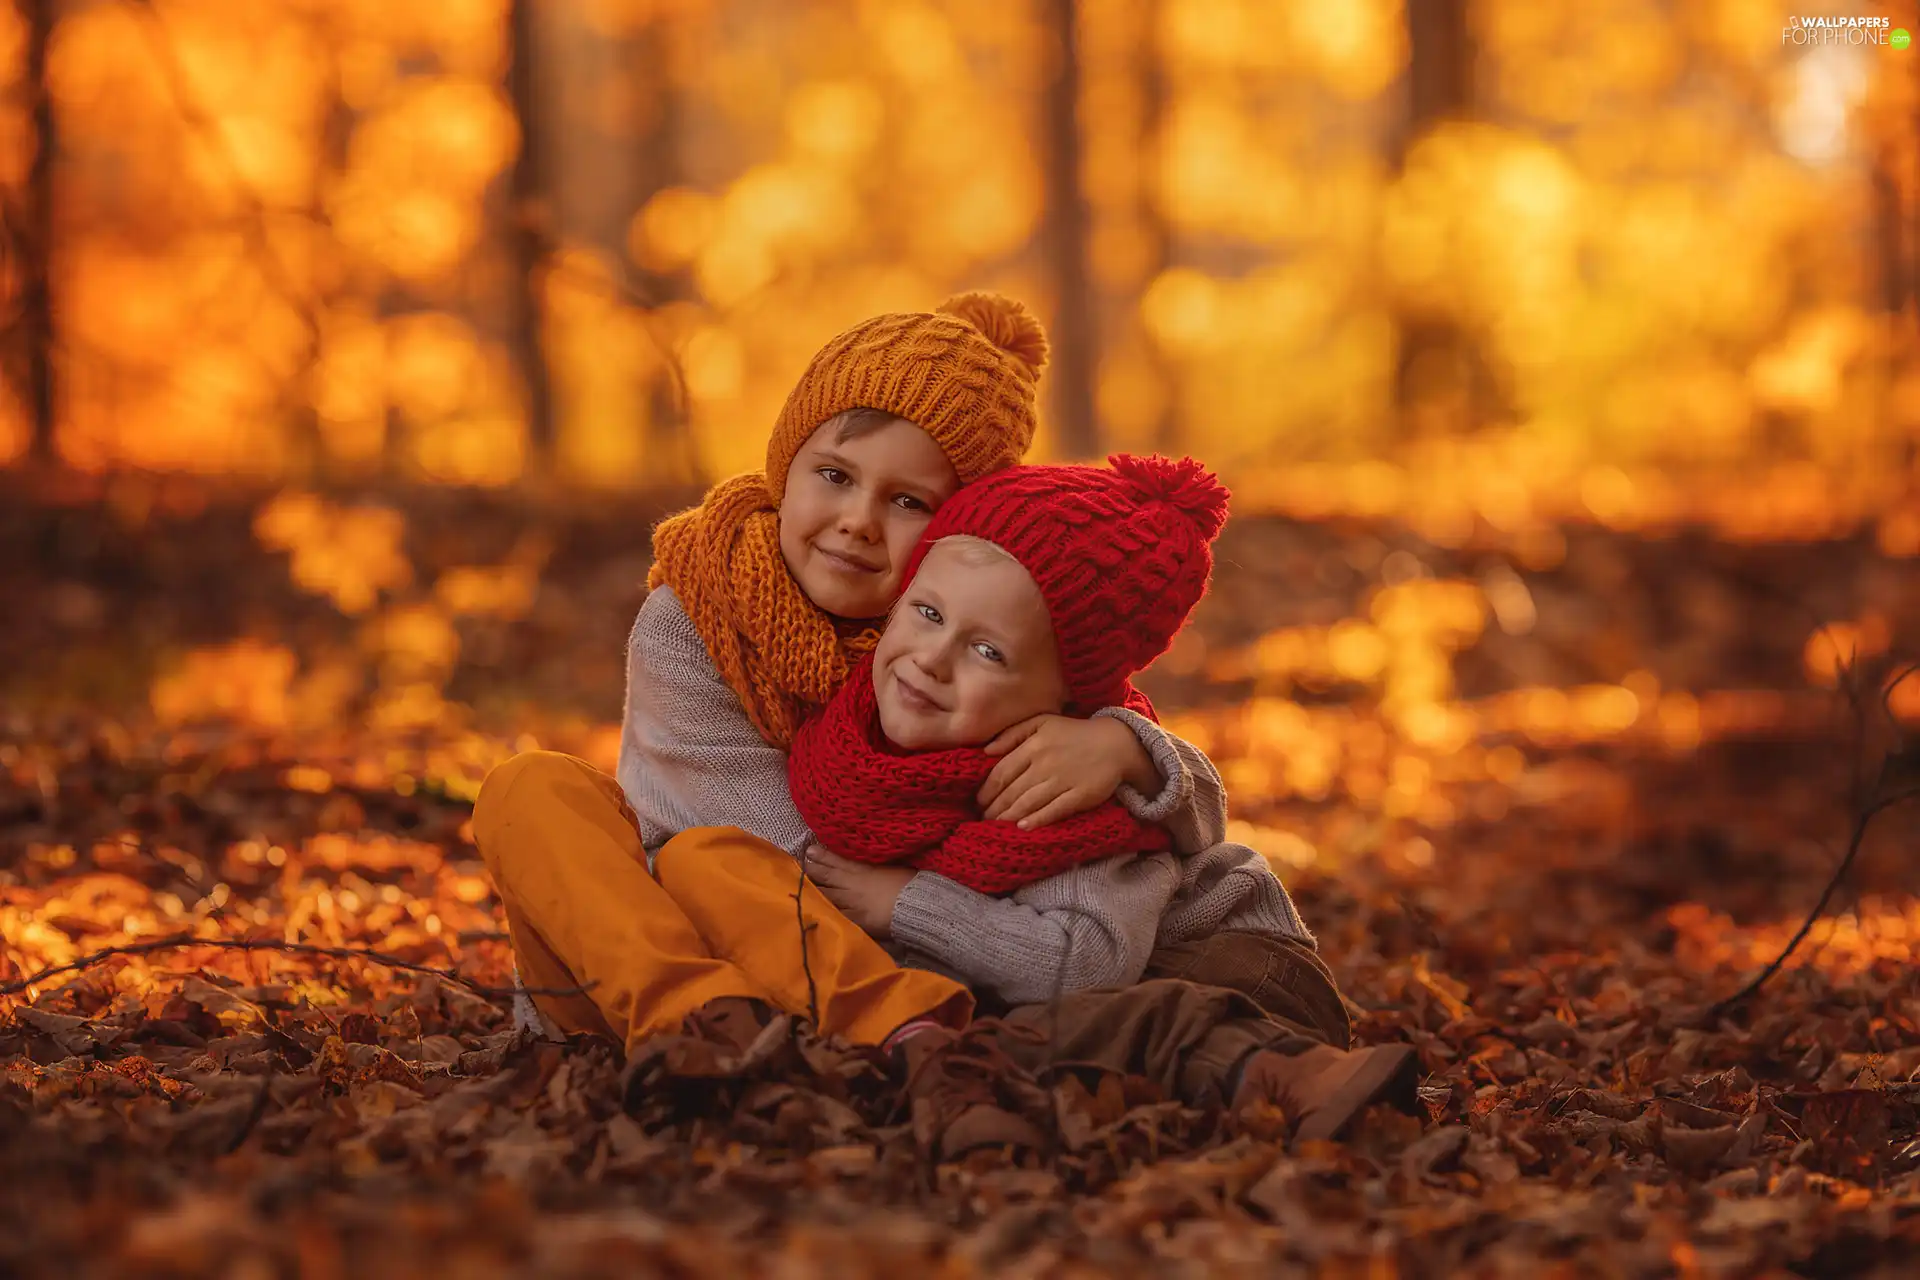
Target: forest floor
pixel 266 724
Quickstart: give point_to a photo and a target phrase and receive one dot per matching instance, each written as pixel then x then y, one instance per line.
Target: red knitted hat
pixel 1121 554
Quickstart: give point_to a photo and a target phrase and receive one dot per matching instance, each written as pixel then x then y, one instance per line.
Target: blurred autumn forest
pixel 598 239
pixel 1564 360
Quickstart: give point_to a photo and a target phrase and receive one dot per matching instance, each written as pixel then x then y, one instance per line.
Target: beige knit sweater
pixel 690 757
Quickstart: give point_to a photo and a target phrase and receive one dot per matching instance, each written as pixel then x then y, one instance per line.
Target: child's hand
pixel 864 893
pixel 1057 766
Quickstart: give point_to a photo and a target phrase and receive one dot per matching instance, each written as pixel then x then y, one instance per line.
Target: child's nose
pixel 937 661
pixel 860 517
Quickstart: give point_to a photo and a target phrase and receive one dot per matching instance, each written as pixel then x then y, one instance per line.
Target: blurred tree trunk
pixel 1892 234
pixel 1064 240
pixel 530 232
pixel 330 160
pixel 1897 248
pixel 1153 217
pixel 1443 383
pixel 36 241
pixel 671 451
pixel 1440 71
pixel 1912 173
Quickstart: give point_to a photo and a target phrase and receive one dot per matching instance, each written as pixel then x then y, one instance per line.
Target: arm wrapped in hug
pixel 1192 801
pixel 1093 926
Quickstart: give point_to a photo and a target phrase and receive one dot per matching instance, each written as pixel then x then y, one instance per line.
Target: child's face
pixel 854 508
pixel 968 652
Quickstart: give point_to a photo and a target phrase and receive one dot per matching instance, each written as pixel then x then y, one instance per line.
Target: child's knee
pixel 728 854
pixel 511 785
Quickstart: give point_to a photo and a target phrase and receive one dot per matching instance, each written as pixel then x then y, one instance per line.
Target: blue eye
pixel 990 653
pixel 928 612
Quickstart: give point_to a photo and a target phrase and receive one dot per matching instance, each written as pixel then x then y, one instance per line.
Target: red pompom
pixel 1182 483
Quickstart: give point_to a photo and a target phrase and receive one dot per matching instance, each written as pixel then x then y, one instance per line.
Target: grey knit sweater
pixel 690 757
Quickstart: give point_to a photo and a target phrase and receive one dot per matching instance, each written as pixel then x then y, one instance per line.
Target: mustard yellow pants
pixel 715 918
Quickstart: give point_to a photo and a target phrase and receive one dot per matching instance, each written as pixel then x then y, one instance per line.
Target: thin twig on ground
pixel 180 941
pixel 806 931
pixel 1868 800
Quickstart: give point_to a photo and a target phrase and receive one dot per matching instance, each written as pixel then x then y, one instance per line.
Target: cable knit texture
pixel 966 374
pixel 945 371
pixel 1121 554
pixel 867 800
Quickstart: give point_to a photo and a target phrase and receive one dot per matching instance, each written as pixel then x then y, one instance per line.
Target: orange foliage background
pixel 284 230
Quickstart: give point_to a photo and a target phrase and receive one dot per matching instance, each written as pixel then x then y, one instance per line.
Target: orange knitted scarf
pixel 777 650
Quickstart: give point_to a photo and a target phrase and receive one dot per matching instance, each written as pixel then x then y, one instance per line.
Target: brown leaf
pixel 1433 1151
pixel 438 1050
pixel 77 1036
pixel 1678 1111
pixel 632 1147
pixel 1752 1129
pixel 526 1152
pixel 1636 1137
pixel 844 1162
pixel 1696 1151
pixel 1275 1192
pixel 230 1009
pixel 1849 1130
pixel 1600 1102
pixel 1486 1161
pixel 360 1028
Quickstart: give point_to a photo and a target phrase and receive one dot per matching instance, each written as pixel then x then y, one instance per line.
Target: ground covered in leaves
pixel 203 736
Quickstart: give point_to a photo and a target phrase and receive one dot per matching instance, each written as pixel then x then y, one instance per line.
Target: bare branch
pixel 278 276
pixel 180 941
pixel 1863 820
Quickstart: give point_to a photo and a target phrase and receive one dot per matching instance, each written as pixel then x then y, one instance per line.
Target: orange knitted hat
pixel 966 374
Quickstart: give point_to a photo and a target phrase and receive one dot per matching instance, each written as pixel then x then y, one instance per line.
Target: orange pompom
pixel 1007 324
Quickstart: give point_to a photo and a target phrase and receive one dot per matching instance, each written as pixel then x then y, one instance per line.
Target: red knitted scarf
pixel 868 801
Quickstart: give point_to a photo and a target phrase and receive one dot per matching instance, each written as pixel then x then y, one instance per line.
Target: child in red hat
pixel 1035 593
pixel 1039 591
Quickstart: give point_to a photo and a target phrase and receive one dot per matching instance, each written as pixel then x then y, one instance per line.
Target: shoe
pixel 966 1094
pixel 894 1046
pixel 1322 1089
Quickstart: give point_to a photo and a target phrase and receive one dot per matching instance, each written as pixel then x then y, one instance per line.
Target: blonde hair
pixel 975 550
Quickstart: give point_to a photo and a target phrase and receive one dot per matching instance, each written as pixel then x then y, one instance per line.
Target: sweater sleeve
pixel 689 756
pixel 1093 926
pixel 1192 805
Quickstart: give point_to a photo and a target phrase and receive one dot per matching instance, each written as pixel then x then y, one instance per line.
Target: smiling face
pixel 857 499
pixel 968 652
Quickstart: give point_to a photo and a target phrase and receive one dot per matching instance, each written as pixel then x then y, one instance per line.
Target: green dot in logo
pixel 1899 39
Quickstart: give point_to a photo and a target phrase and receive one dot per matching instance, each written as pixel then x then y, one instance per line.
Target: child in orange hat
pixel 764 599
